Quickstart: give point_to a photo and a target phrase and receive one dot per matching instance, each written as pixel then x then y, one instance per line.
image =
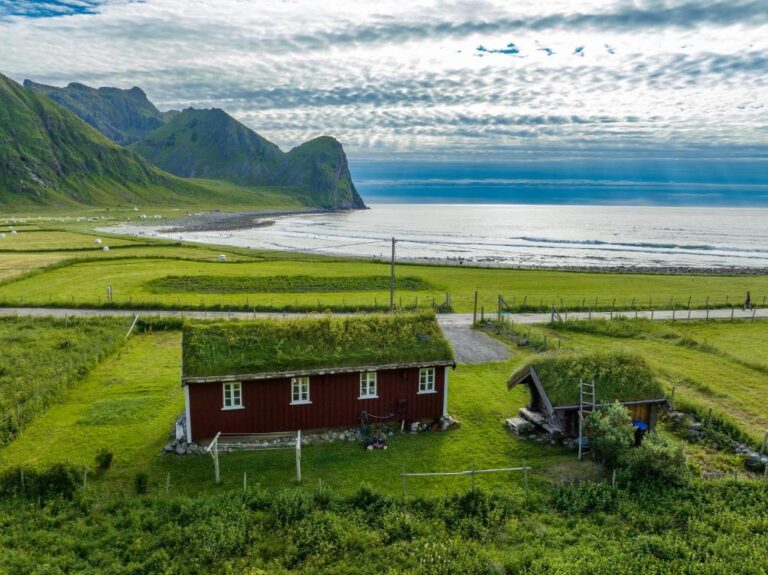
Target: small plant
pixel 585 497
pixel 141 483
pixel 104 459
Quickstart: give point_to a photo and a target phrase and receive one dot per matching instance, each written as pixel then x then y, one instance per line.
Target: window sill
pixel 301 403
pixel 426 392
pixel 368 397
pixel 233 408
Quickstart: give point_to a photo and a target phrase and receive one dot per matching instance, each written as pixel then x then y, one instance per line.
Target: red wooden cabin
pixel 309 374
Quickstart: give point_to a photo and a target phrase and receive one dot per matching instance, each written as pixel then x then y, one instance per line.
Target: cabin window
pixel 300 390
pixel 427 380
pixel 233 395
pixel 368 385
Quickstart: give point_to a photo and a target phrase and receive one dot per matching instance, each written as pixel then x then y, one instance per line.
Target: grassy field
pixel 718 365
pixel 50 240
pixel 41 358
pixel 108 409
pixel 133 279
pixel 127 404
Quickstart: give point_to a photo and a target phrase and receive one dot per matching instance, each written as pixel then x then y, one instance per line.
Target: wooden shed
pixel 553 382
pixel 284 375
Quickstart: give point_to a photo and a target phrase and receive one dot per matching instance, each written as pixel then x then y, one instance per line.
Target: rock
pixel 169 448
pixel 180 449
pixel 696 426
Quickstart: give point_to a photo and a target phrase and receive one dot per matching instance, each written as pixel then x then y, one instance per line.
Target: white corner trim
pixel 445 392
pixel 187 415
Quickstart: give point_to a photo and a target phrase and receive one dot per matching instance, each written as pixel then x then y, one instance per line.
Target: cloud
pixel 404 76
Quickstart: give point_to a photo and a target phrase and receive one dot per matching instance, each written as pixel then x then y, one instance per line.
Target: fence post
pixel 474 312
pixel 298 456
pixel 764 445
pixel 402 475
pixel 525 478
pixel 167 482
pixel 245 482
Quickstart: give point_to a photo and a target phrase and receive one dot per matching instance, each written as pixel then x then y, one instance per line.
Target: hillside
pixel 50 157
pixel 212 144
pixel 123 116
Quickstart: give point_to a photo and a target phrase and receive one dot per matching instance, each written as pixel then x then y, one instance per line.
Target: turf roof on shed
pixel 254 347
pixel 618 376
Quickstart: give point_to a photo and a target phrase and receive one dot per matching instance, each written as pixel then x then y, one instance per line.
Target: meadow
pixel 42 358
pixel 134 280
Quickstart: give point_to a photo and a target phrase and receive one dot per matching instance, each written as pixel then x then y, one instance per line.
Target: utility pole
pixel 392 279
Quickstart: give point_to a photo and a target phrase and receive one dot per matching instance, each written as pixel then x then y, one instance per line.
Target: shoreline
pixel 232 221
pixel 235 221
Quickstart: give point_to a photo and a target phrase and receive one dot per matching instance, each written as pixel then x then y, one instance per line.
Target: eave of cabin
pixel 311 372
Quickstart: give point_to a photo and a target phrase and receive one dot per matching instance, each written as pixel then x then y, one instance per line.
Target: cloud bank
pixel 487 80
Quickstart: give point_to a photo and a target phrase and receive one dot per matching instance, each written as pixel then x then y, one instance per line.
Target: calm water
pixel 525 235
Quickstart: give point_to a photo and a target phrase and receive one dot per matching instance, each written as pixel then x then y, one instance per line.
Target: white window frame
pixel 300 391
pixel 369 385
pixel 427 382
pixel 232 395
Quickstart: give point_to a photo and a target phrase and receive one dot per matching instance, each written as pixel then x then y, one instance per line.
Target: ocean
pixel 523 235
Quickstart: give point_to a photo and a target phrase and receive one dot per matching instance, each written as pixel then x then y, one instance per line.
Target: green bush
pixel 585 497
pixel 658 461
pixel 58 480
pixel 141 483
pixel 104 459
pixel 610 432
pixel 290 507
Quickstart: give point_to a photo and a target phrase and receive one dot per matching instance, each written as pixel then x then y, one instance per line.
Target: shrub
pixel 658 460
pixel 585 497
pixel 319 534
pixel 141 483
pixel 104 459
pixel 611 433
pixel 290 507
pixel 368 500
pixel 58 480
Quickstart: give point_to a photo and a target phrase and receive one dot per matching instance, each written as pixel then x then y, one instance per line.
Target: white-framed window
pixel 299 390
pixel 368 385
pixel 427 380
pixel 233 395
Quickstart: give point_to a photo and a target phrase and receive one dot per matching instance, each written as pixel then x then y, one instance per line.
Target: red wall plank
pixel 334 400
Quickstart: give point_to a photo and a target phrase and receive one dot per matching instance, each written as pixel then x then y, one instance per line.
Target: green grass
pixel 84 283
pixel 231 348
pixel 127 404
pixel 717 365
pixel 281 284
pixel 620 376
pixel 41 358
pixel 148 366
pixel 51 240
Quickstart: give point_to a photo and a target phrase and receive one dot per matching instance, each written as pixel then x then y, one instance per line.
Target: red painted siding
pixel 335 403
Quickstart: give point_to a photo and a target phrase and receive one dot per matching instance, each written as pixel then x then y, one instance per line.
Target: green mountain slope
pixel 123 116
pixel 212 144
pixel 50 157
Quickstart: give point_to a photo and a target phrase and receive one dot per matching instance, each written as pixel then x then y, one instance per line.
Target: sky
pixel 649 82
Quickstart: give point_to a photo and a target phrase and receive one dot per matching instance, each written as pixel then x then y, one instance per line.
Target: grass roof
pixel 235 348
pixel 618 376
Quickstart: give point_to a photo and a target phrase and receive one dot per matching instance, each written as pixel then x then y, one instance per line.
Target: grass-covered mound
pixel 617 375
pixel 282 284
pixel 233 348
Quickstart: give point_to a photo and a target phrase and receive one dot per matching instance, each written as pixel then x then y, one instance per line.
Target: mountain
pixel 123 116
pixel 50 157
pixel 212 144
